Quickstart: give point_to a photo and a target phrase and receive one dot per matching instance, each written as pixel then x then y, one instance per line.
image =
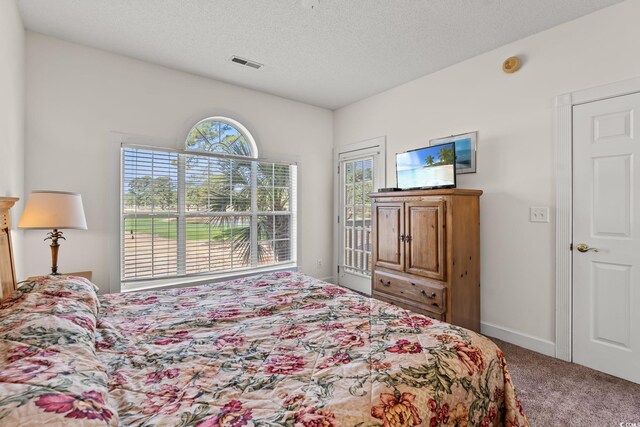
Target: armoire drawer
pixel 417 291
pixel 408 305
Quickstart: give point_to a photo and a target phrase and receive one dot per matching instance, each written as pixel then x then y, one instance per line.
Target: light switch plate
pixel 539 214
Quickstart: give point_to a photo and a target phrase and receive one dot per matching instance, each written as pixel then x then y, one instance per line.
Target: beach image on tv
pixel 427 167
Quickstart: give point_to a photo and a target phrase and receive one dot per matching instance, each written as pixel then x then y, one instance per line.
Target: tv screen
pixel 428 167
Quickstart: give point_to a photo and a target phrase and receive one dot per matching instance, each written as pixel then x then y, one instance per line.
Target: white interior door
pixel 606 243
pixel 360 173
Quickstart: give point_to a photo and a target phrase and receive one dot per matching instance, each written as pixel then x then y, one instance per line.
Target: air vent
pixel 246 62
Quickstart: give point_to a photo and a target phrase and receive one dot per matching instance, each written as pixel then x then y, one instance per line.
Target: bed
pixel 279 349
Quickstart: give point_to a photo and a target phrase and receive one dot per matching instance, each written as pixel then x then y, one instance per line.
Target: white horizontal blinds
pixel 218 204
pixel 358 182
pixel 150 213
pixel 236 214
pixel 274 222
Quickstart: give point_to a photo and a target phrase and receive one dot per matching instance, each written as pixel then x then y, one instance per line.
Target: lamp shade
pixel 53 210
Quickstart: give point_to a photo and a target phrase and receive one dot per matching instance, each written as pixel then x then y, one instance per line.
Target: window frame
pixel 236 124
pixel 182 278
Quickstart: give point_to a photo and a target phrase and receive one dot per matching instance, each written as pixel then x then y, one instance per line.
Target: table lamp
pixel 53 210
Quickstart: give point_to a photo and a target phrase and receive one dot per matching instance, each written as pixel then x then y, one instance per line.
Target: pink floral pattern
pixel 291 332
pixel 167 401
pixel 417 321
pixel 284 365
pixel 27 369
pixel 405 346
pixel 340 358
pixel 314 417
pixel 89 405
pixel 231 415
pixel 82 321
pixel 49 371
pixel 23 351
pixel 276 349
pixel 471 356
pixel 347 339
pixel 174 338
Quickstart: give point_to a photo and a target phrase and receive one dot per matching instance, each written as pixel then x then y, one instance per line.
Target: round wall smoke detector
pixel 310 4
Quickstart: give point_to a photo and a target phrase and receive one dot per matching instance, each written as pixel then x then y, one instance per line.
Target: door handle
pixel 402 237
pixel 583 247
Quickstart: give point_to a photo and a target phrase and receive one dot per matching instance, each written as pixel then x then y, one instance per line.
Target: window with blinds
pixel 187 213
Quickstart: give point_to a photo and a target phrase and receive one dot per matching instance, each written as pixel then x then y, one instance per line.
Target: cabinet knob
pixel 432 296
pixel 388 283
pixel 402 237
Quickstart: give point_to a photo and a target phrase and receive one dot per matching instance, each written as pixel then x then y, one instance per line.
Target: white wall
pixel 77 96
pixel 514 117
pixel 12 89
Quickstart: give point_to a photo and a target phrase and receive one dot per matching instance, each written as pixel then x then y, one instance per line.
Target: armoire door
pixel 388 228
pixel 425 239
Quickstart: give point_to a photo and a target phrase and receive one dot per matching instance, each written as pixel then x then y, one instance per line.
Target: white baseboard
pixel 518 338
pixel 329 279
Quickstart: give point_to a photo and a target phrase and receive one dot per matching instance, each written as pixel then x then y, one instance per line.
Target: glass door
pixel 359 176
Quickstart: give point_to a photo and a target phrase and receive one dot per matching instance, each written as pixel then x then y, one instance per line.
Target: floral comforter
pixel 49 371
pixel 281 349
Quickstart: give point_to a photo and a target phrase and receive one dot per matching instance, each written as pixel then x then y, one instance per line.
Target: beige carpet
pixel 556 393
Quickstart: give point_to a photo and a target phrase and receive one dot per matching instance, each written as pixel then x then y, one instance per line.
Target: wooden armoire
pixel 426 253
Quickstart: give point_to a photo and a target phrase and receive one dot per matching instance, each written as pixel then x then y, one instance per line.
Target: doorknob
pixel 583 247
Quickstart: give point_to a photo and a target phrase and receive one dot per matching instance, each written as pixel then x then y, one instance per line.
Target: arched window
pixel 221 135
pixel 212 208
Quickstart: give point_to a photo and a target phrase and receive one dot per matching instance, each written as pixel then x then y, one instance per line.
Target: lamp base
pixel 54 236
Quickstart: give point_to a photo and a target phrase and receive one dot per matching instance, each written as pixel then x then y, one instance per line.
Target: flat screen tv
pixel 427 168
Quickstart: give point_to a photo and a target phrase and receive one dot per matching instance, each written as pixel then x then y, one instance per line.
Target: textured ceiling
pixel 335 54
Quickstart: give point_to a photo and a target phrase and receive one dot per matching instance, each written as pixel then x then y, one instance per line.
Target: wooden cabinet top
pixel 423 193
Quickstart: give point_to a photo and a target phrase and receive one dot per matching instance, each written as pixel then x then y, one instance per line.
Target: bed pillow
pixel 77 288
pixel 49 372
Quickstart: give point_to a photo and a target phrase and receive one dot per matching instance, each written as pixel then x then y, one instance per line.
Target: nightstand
pixel 86 274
